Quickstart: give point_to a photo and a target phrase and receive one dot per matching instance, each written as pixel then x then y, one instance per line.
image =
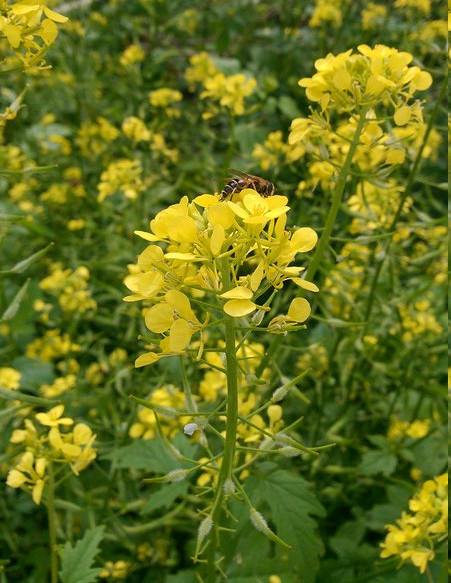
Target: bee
pixel 243 180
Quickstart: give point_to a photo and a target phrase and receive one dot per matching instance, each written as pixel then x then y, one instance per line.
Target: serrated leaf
pixel 165 496
pixel 14 306
pixel 76 560
pixel 286 501
pixel 149 454
pixel 378 462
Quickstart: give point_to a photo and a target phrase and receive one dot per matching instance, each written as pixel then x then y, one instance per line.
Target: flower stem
pixel 52 527
pixel 225 472
pixel 337 198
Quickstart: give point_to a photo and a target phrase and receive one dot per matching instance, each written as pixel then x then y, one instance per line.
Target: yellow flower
pixel 29 472
pixel 9 378
pixel 53 417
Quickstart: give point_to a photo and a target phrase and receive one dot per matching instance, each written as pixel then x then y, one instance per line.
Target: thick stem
pixel 52 527
pixel 337 198
pixel 225 472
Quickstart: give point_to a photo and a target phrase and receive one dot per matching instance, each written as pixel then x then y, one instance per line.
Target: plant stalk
pixel 52 526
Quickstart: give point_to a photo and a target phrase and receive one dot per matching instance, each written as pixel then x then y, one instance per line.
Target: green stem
pixel 52 526
pixel 337 198
pixel 225 473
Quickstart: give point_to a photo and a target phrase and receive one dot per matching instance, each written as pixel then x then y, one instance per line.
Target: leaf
pixel 22 265
pixel 286 501
pixel 76 560
pixel 378 461
pixel 185 576
pixel 165 496
pixel 14 306
pixel 288 107
pixel 348 537
pixel 149 454
pixel 34 371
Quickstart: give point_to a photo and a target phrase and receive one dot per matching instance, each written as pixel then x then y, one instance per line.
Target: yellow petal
pixel 147 358
pixel 217 239
pixel 12 33
pixel 36 493
pixel 303 239
pixel 20 9
pixel 299 310
pixel 179 335
pixel 308 285
pixel 257 276
pixel 15 479
pixel 54 15
pixel 238 308
pixel 183 256
pixel 48 31
pixel 402 115
pixel 159 318
pixel 221 214
pixel 181 304
pixel 147 236
pixel 237 293
pixel 206 200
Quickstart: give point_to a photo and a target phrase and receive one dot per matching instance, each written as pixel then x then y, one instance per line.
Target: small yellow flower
pixel 9 378
pixel 53 417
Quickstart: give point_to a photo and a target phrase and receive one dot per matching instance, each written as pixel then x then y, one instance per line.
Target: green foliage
pixel 76 560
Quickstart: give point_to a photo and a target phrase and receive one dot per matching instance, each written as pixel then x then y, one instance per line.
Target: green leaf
pixel 10 395
pixel 288 504
pixel 288 106
pixel 147 454
pixel 14 306
pixel 76 560
pixel 34 371
pixel 165 496
pixel 22 265
pixel 378 461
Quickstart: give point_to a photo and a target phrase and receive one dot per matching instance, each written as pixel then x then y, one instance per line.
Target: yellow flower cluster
pixel 372 77
pixel 59 386
pixel 165 97
pixel 275 151
pixel 71 287
pixel 121 176
pixel 93 138
pixel 418 321
pixel 374 206
pixel 201 68
pixel 327 13
pixel 210 242
pixel 131 55
pixel 9 378
pixel 166 399
pixel 73 448
pixel 373 15
pixel 415 533
pixel 399 429
pixel 315 358
pixel 115 570
pixel 415 6
pixel 29 27
pixel 52 346
pixel 135 129
pixel 230 91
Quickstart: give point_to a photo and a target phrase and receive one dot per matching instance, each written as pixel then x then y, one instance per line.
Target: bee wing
pixel 235 172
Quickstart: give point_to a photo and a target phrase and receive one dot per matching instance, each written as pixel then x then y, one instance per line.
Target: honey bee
pixel 243 180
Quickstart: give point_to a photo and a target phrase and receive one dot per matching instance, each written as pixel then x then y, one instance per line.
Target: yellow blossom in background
pixel 93 138
pixel 131 55
pixel 230 91
pixel 201 68
pixel 423 6
pixel 115 570
pixel 59 386
pixel 71 288
pixel 399 429
pixel 51 346
pixel 165 97
pixel 373 15
pixel 135 129
pixel 166 400
pixel 9 378
pixel 327 13
pixel 373 76
pixel 122 176
pixel 415 534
